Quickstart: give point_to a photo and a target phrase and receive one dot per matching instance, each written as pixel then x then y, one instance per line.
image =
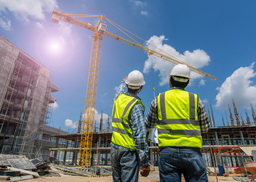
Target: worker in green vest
pixel 129 149
pixel 180 118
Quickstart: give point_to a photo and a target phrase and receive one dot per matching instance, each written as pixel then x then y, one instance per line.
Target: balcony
pixel 53 87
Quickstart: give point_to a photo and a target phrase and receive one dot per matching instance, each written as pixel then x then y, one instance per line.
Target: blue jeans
pixel 176 161
pixel 125 164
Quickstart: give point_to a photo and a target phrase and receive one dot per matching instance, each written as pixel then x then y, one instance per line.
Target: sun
pixel 54 46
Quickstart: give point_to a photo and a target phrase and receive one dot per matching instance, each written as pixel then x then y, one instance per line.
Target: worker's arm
pixel 139 133
pixel 203 118
pixel 121 88
pixel 152 116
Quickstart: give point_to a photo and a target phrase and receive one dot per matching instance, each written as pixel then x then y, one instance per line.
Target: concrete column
pixel 64 158
pixel 217 139
pixel 56 146
pixel 242 138
pixel 75 154
pixel 65 153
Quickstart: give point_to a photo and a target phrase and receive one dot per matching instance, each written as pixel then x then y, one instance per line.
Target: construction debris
pixel 19 168
pixel 5 157
pixel 22 163
pixel 24 172
pixel 21 178
pixel 88 172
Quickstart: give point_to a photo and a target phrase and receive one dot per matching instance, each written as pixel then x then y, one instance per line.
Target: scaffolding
pixel 222 146
pixel 25 94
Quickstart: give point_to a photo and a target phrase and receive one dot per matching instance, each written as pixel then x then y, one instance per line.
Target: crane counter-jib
pixel 57 16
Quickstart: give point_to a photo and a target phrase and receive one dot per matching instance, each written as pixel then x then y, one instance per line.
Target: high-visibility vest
pixel 122 133
pixel 178 123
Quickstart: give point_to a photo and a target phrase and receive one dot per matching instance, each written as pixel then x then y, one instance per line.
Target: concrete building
pixel 25 95
pixel 230 146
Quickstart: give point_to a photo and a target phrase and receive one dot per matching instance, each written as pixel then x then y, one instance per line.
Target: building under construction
pixel 231 145
pixel 25 95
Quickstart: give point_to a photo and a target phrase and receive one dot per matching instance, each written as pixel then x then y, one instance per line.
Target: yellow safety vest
pixel 178 123
pixel 122 133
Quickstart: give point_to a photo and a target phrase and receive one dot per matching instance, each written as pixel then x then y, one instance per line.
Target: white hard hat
pixel 135 79
pixel 180 70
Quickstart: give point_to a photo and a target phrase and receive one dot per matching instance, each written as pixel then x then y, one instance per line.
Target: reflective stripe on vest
pixel 122 133
pixel 178 119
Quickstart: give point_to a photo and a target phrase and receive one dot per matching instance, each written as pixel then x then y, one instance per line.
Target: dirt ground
pixel 65 178
pixel 153 177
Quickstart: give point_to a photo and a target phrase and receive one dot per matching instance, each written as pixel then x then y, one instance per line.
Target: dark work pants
pixel 176 161
pixel 125 164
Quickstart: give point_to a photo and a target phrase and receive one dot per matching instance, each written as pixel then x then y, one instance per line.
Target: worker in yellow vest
pixel 129 149
pixel 180 118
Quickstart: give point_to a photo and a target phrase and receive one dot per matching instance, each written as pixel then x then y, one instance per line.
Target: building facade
pixel 25 95
pixel 228 146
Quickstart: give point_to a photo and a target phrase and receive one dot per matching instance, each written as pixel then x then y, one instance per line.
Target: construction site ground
pixel 66 178
pixel 153 177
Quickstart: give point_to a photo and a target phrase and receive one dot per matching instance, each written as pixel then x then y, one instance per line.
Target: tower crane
pixel 92 83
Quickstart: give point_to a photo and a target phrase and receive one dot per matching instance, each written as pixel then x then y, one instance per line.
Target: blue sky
pixel 217 37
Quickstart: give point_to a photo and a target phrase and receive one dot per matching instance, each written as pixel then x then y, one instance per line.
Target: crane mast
pixel 92 83
pixel 90 103
pixel 91 88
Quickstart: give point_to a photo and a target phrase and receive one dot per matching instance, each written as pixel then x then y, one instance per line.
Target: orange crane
pixel 92 83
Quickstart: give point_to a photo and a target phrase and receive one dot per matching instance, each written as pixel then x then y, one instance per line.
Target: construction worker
pixel 180 118
pixel 129 149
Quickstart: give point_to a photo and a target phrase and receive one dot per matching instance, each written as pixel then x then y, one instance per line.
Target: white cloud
pixel 197 58
pixel 137 3
pixel 202 82
pixel 25 10
pixel 140 5
pixel 39 25
pixel 205 101
pixel 65 28
pixel 97 118
pixel 144 13
pixel 54 105
pixel 70 124
pixel 5 23
pixel 238 88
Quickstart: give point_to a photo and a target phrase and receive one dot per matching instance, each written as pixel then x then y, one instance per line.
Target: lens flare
pixel 55 46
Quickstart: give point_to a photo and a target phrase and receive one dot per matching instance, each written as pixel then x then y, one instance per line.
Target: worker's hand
pixel 125 78
pixel 144 171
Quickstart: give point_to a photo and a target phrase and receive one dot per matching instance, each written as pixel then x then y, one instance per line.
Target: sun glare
pixel 54 46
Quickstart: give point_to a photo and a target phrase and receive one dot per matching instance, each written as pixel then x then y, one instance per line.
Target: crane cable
pixel 171 58
pixel 168 57
pixel 120 27
pixel 124 30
